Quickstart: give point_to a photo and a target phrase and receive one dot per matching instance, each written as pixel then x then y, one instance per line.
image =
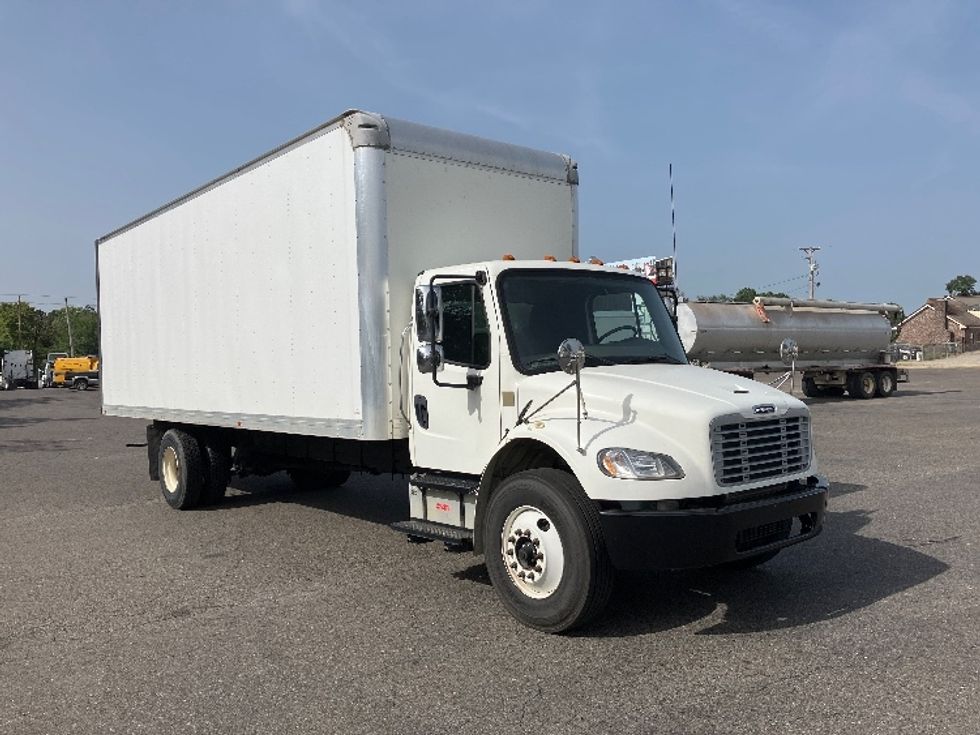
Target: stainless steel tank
pixel 748 336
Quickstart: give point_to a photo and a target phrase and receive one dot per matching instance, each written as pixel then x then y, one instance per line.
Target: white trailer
pixel 400 275
pixel 836 345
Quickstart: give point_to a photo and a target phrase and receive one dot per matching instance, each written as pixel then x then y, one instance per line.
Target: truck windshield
pixel 620 318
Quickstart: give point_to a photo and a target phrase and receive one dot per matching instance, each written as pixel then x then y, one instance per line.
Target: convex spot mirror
pixel 428 314
pixel 571 355
pixel 789 351
pixel 428 358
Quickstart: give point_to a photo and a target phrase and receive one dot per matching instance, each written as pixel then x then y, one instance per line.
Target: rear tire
pixel 181 469
pixel 862 385
pixel 80 384
pixel 885 384
pixel 216 463
pixel 545 553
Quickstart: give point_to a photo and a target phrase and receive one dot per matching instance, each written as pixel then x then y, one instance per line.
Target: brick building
pixel 949 319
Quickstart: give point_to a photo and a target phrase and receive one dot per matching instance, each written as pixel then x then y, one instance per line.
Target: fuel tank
pixel 828 334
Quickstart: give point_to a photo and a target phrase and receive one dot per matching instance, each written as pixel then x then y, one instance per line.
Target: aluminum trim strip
pixel 336 428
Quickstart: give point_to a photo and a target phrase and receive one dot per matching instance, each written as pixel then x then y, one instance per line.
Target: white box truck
pixel 17 369
pixel 369 256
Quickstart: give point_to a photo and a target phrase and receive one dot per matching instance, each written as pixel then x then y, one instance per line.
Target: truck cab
pixel 556 423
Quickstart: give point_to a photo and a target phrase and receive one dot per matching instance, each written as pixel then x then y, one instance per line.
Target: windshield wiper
pixel 653 358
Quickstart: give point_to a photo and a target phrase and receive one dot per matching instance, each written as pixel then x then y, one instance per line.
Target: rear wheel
pixel 181 469
pixel 216 463
pixel 862 385
pixel 886 384
pixel 80 384
pixel 545 552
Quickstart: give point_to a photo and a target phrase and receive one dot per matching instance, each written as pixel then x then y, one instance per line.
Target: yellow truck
pixel 75 372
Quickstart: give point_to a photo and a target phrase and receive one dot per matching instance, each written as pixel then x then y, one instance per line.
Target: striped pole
pixel 673 223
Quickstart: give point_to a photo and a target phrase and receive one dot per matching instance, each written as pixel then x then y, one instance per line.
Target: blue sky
pixel 853 126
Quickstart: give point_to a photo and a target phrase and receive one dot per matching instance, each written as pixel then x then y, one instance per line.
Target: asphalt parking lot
pixel 281 612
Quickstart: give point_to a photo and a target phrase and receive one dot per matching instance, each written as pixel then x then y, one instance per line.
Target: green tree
pixel 22 327
pixel 717 298
pixel 962 286
pixel 84 330
pixel 747 293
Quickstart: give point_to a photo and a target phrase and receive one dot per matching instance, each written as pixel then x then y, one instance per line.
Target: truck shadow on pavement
pixel 838 573
pixel 363 497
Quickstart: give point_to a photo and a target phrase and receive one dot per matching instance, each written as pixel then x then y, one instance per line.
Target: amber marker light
pixel 551 258
pixel 508 256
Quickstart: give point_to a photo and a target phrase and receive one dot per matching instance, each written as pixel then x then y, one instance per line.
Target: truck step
pixel 429 531
pixel 461 484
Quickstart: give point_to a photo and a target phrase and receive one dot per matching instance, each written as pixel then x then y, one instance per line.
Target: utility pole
pixel 71 345
pixel 18 322
pixel 814 269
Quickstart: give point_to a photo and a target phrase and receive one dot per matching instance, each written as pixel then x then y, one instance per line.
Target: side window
pixel 465 334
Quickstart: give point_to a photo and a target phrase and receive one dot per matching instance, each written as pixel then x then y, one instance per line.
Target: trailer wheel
pixel 545 553
pixel 80 384
pixel 181 469
pixel 307 480
pixel 885 384
pixel 862 385
pixel 216 463
pixel 811 389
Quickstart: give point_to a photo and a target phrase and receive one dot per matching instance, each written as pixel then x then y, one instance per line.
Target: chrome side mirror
pixel 428 314
pixel 571 356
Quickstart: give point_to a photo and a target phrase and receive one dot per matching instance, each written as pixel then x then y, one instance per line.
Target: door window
pixel 465 333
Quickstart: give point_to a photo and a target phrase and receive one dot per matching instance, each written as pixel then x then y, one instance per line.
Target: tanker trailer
pixel 838 345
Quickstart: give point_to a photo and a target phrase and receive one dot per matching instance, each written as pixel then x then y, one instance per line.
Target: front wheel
pixel 545 552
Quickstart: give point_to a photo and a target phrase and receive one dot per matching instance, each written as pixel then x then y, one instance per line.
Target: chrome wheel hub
pixel 532 552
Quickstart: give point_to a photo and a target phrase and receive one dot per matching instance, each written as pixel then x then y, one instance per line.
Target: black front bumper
pixel 736 528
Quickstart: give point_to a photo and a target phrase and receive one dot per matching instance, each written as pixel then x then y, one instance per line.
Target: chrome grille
pixel 747 451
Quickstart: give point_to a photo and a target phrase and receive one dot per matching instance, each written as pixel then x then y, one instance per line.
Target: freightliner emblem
pixel 764 408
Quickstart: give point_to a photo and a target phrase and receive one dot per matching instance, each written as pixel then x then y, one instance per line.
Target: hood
pixel 669 391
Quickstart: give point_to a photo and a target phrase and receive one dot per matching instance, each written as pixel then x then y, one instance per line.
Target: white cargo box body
pixel 274 297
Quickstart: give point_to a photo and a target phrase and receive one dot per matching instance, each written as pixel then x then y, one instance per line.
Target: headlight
pixel 632 464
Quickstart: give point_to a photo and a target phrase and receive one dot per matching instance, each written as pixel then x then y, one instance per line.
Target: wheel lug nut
pixel 530 576
pixel 538 569
pixel 513 565
pixel 521 575
pixel 539 556
pixel 511 539
pixel 536 542
pixel 526 532
pixel 510 552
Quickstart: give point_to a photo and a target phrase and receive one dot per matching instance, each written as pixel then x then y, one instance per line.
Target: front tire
pixel 181 469
pixel 545 552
